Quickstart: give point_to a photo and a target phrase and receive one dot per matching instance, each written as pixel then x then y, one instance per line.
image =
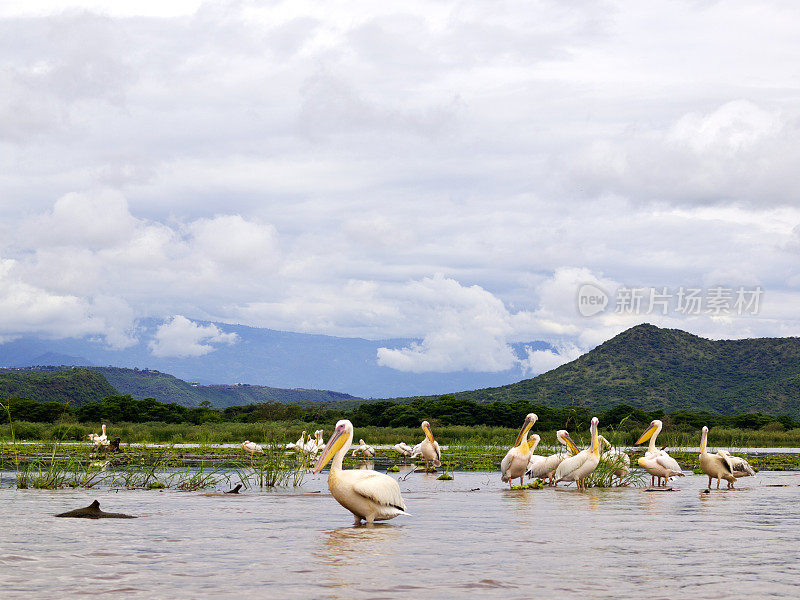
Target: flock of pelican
pixel 372 496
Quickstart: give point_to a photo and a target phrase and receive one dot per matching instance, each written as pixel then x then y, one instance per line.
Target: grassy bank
pixel 288 431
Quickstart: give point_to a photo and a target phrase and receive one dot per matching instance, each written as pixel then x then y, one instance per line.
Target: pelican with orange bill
pixel 515 462
pixel 369 495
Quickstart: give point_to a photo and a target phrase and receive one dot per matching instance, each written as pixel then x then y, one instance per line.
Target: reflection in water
pixel 359 556
pixel 298 543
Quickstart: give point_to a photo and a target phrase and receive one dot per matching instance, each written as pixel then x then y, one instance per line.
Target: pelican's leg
pixel 717 482
pixel 709 482
pixel 357 520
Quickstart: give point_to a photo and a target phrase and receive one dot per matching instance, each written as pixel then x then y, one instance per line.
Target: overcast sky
pixel 452 171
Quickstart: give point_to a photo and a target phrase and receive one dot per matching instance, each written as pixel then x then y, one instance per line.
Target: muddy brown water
pixel 470 537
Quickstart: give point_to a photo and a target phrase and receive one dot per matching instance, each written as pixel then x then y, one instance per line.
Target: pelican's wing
pixel 380 488
pixel 416 450
pixel 666 461
pixel 438 450
pixel 504 464
pixel 726 461
pixel 569 465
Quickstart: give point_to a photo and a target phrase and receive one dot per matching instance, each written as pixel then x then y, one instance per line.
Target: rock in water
pixel 93 512
pixel 235 490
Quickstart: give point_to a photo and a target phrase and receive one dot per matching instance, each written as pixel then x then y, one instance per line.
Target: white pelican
pixel 310 447
pixel 252 447
pixel 716 466
pixel 366 451
pixel 320 441
pixel 404 450
pixel 515 462
pixel 369 495
pixel 429 448
pixel 619 461
pixel 741 468
pixel 657 462
pixel 577 468
pixel 299 444
pixel 546 468
pixel 99 440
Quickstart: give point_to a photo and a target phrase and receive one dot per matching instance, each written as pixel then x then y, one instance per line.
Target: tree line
pixel 441 411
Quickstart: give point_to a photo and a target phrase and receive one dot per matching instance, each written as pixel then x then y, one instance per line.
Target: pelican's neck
pixel 595 441
pixel 652 446
pixel 703 440
pixel 336 463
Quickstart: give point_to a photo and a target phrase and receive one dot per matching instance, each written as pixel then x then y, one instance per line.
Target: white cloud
pixel 290 166
pixel 540 361
pixel 181 337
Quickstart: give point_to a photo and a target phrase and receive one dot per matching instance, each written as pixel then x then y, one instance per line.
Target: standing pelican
pixel 299 444
pixel 657 462
pixel 619 461
pixel 577 468
pixel 546 468
pixel 404 450
pixel 320 441
pixel 369 495
pixel 366 451
pixel 429 448
pixel 515 462
pixel 716 466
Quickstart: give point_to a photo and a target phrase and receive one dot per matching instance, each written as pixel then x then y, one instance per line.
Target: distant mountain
pixel 167 388
pixel 652 368
pixel 74 386
pixel 265 357
pixel 77 386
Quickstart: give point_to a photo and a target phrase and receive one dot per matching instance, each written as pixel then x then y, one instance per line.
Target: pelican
pixel 657 462
pixel 310 447
pixel 534 459
pixel 366 451
pixel 577 468
pixel 429 448
pixel 716 466
pixel 515 462
pixel 252 447
pixel 619 461
pixel 404 450
pixel 741 468
pixel 320 441
pixel 299 444
pixel 546 468
pixel 369 495
pixel 99 440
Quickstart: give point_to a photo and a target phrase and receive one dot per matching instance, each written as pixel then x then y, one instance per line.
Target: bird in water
pixel 429 449
pixel 369 495
pixel 365 451
pixel 577 468
pixel 99 440
pixel 404 450
pixel 657 462
pixel 544 467
pixel 252 447
pixel 515 462
pixel 299 444
pixel 721 465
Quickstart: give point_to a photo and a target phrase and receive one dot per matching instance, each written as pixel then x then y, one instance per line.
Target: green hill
pixel 146 383
pixel 652 368
pixel 74 386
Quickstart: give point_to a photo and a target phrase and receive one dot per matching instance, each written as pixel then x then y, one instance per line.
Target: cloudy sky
pixel 451 171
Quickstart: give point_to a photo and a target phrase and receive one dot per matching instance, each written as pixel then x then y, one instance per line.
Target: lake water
pixel 469 537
